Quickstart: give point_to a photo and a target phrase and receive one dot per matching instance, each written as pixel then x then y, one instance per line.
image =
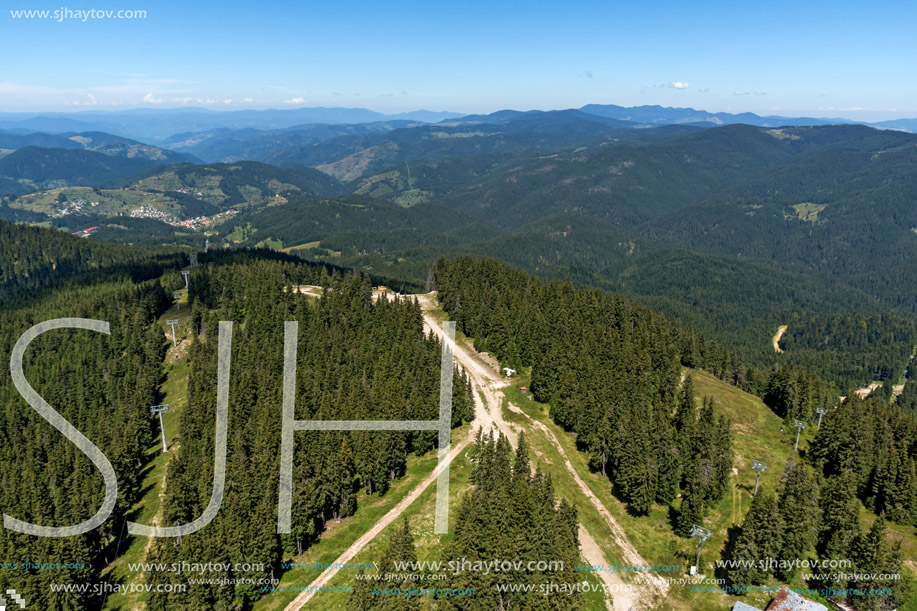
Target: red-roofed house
pixel 791 601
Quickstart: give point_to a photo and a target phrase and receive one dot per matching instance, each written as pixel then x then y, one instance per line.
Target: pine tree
pixel 799 510
pixel 872 553
pixel 602 446
pixel 691 511
pixel 759 539
pixel 400 548
pixel 840 510
pixel 668 458
pixel 360 597
pixel 347 498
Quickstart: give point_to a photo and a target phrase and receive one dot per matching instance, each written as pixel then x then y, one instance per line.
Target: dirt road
pixel 592 554
pixel 373 532
pixel 488 401
pixel 780 331
pixel 484 375
pixel 486 414
pixel 629 553
pixel 486 382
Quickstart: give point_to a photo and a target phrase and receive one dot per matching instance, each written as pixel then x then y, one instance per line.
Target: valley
pixel 478 307
pixel 630 279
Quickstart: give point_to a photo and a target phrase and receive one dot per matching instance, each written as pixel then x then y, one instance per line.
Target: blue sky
pixel 849 59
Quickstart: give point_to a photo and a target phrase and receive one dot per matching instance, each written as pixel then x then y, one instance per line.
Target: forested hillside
pixel 512 513
pixel 176 204
pixel 509 511
pixel 736 230
pixel 99 142
pixel 357 360
pixel 32 259
pixel 610 371
pixel 103 385
pixel 32 168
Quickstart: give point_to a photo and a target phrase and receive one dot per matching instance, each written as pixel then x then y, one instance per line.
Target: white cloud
pixel 704 89
pixel 740 93
pixel 249 100
pixel 182 100
pixel 150 99
pixel 678 85
pixel 295 101
pixel 227 101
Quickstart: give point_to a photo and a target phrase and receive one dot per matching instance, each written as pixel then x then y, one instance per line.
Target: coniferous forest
pixel 511 307
pixel 610 370
pixel 104 386
pixel 626 383
pixel 357 360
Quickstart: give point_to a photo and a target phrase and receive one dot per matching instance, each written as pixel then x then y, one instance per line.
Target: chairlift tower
pixel 172 322
pixel 160 410
pixel 176 295
pixel 760 467
pixel 821 411
pixel 702 535
pixel 800 426
pixel 185 274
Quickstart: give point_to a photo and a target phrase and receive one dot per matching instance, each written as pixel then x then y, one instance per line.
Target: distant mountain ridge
pixel 32 168
pixel 157 124
pixel 662 115
pixel 153 125
pixel 151 203
pixel 99 142
pixel 39 161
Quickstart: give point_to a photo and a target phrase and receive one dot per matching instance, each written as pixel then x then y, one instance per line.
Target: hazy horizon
pixel 792 60
pixel 386 115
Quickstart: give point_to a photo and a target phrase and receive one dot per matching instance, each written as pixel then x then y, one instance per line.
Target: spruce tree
pixel 759 540
pixel 799 510
pixel 872 553
pixel 840 511
pixel 400 548
pixel 361 599
pixel 691 511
